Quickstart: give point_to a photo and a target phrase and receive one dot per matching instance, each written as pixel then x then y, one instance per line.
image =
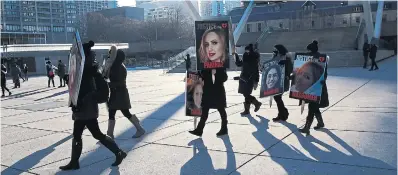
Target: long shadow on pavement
pixel 167 109
pixel 28 93
pixel 31 160
pixel 201 162
pixel 54 95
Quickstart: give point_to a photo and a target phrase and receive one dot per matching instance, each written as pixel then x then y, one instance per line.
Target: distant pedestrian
pixel 3 79
pixel 372 56
pixel 365 50
pixel 50 73
pixel 15 73
pixel 61 73
pixel 188 62
pixel 25 71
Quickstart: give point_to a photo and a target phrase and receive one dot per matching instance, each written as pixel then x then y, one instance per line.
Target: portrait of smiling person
pixel 212 44
pixel 272 79
pixel 194 92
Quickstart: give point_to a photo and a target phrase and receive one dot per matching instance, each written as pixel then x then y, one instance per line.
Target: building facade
pixel 300 15
pixel 39 22
pixel 126 12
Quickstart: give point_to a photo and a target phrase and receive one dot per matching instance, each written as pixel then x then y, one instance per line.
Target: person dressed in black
pixel 213 98
pixel 365 50
pixel 25 71
pixel 188 62
pixel 15 73
pixel 50 73
pixel 372 56
pixel 313 107
pixel 3 79
pixel 281 54
pixel 61 73
pixel 249 77
pixel 119 98
pixel 85 114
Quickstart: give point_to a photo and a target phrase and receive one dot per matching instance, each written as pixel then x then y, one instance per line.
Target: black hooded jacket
pixel 87 106
pixel 119 98
pixel 250 72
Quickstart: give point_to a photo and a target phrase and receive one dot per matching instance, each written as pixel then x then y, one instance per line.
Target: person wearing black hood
pixel 281 55
pixel 249 77
pixel 313 107
pixel 85 114
pixel 213 98
pixel 365 50
pixel 119 98
pixel 372 56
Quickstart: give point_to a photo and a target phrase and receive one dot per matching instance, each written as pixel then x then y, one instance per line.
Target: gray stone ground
pixel 360 135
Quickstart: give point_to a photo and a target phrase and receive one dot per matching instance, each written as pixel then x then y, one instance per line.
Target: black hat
pixel 87 47
pixel 313 47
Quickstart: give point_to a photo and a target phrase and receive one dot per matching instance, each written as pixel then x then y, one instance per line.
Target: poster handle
pixel 302 107
pixel 195 120
pixel 270 101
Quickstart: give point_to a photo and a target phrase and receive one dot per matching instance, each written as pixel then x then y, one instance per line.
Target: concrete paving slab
pixel 360 121
pixel 30 117
pixel 49 149
pixel 12 134
pixel 12 112
pixel 43 106
pixel 171 160
pixel 274 165
pixel 344 147
pixel 63 123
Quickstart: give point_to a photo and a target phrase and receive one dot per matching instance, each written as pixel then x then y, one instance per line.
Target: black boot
pixel 224 128
pixel 307 125
pixel 281 116
pixel 199 129
pixel 74 161
pixel 256 104
pixel 112 146
pixel 247 109
pixel 320 121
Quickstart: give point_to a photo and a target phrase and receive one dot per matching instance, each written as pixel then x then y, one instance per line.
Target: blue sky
pixel 122 3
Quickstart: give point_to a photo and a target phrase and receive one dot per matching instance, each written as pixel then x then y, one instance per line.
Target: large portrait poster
pixel 76 65
pixel 212 44
pixel 308 73
pixel 272 79
pixel 194 92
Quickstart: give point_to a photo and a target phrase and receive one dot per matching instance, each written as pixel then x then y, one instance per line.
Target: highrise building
pixel 217 7
pixel 29 22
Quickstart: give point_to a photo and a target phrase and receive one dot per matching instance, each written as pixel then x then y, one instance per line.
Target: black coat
pixel 365 49
pixel 214 94
pixel 119 98
pixel 250 73
pixel 87 106
pixel 373 51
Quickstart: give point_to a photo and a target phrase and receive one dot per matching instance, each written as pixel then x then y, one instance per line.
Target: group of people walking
pixel 85 112
pixel 61 71
pixel 16 74
pixel 214 92
pixel 369 51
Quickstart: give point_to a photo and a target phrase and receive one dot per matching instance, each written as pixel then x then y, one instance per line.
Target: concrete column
pixel 192 10
pixel 379 19
pixel 241 25
pixel 367 13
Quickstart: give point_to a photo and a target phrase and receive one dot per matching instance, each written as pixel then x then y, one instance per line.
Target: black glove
pixel 75 109
pixel 281 62
pixel 323 82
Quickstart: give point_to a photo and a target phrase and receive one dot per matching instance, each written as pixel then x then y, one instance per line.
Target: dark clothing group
pixel 370 51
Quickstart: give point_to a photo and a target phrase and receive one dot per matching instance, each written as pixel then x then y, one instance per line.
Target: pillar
pixel 379 20
pixel 367 13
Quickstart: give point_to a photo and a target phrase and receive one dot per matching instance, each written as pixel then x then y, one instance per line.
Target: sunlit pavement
pixel 360 135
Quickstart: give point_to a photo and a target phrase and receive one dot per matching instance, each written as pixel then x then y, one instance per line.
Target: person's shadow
pixel 30 161
pixel 201 162
pixel 333 155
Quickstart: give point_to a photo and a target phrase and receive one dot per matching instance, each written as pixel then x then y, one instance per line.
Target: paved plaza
pixel 360 135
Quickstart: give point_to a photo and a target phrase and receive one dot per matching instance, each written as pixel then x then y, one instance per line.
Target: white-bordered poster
pixel 272 79
pixel 76 66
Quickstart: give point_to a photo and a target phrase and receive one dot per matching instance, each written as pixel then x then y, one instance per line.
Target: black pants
pixel 249 98
pixel 3 86
pixel 374 63
pixel 92 126
pixel 282 110
pixel 51 79
pixel 365 64
pixel 205 115
pixel 313 111
pixel 112 113
pixel 26 76
pixel 61 79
